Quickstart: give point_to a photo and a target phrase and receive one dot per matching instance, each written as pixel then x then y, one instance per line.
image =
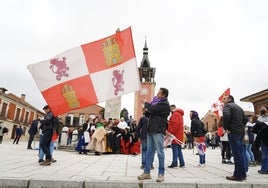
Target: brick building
pixel 257 99
pixel 15 111
pixel 211 120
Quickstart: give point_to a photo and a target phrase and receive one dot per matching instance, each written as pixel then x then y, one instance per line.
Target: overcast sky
pixel 199 48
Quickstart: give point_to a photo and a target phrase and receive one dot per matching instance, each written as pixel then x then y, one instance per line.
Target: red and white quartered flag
pixel 88 74
pixel 217 106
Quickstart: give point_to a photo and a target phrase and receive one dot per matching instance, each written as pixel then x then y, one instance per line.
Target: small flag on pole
pixel 169 138
pixel 217 106
pixel 88 74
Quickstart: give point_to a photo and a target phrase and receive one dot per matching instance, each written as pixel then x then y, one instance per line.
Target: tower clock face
pixel 144 91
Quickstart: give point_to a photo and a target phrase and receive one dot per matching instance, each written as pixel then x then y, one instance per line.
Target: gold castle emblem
pixel 70 96
pixel 111 51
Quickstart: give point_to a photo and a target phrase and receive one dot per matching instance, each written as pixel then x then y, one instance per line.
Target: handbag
pixel 246 137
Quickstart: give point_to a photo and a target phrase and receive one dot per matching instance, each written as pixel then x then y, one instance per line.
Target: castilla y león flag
pixel 217 106
pixel 88 74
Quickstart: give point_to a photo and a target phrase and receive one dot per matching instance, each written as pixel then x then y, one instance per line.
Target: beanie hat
pixel 194 113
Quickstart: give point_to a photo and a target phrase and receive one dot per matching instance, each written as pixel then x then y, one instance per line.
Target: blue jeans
pixel 45 142
pixel 245 157
pixel 202 159
pixel 155 142
pixel 264 158
pixel 250 155
pixel 177 153
pixel 51 149
pixel 201 149
pixel 238 151
pixel 143 152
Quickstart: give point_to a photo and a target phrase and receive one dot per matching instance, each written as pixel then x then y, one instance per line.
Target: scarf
pixel 156 100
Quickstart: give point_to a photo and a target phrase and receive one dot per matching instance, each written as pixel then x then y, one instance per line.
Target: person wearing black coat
pixel 199 131
pixel 234 121
pixel 142 135
pixel 47 131
pixel 32 132
pixel 158 111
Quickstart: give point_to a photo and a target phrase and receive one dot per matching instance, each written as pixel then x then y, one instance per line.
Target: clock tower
pixel 146 74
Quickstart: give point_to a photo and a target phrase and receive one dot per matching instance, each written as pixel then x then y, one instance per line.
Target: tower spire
pixel 146 72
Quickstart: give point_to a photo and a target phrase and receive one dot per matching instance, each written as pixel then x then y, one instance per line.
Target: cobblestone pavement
pixel 19 168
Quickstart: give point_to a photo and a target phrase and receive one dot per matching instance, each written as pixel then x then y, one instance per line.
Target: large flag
pixel 217 106
pixel 88 74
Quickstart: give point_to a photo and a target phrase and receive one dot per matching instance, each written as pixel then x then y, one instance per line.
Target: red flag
pixel 218 105
pixel 88 74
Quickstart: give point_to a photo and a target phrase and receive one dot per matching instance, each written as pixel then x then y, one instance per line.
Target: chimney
pixel 22 97
pixel 2 90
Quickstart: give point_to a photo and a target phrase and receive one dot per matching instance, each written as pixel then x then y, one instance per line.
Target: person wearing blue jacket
pixel 19 133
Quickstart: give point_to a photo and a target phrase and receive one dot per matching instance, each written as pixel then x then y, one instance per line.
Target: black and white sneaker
pixel 173 166
pixel 182 166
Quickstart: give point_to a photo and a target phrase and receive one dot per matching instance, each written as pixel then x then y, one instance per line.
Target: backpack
pixel 204 130
pixel 56 124
pixel 5 130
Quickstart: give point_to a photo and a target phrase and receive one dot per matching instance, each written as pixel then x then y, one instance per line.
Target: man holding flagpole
pixel 47 131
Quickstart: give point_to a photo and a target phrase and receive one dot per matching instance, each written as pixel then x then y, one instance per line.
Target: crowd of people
pixel 112 136
pixel 243 133
pixel 242 138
